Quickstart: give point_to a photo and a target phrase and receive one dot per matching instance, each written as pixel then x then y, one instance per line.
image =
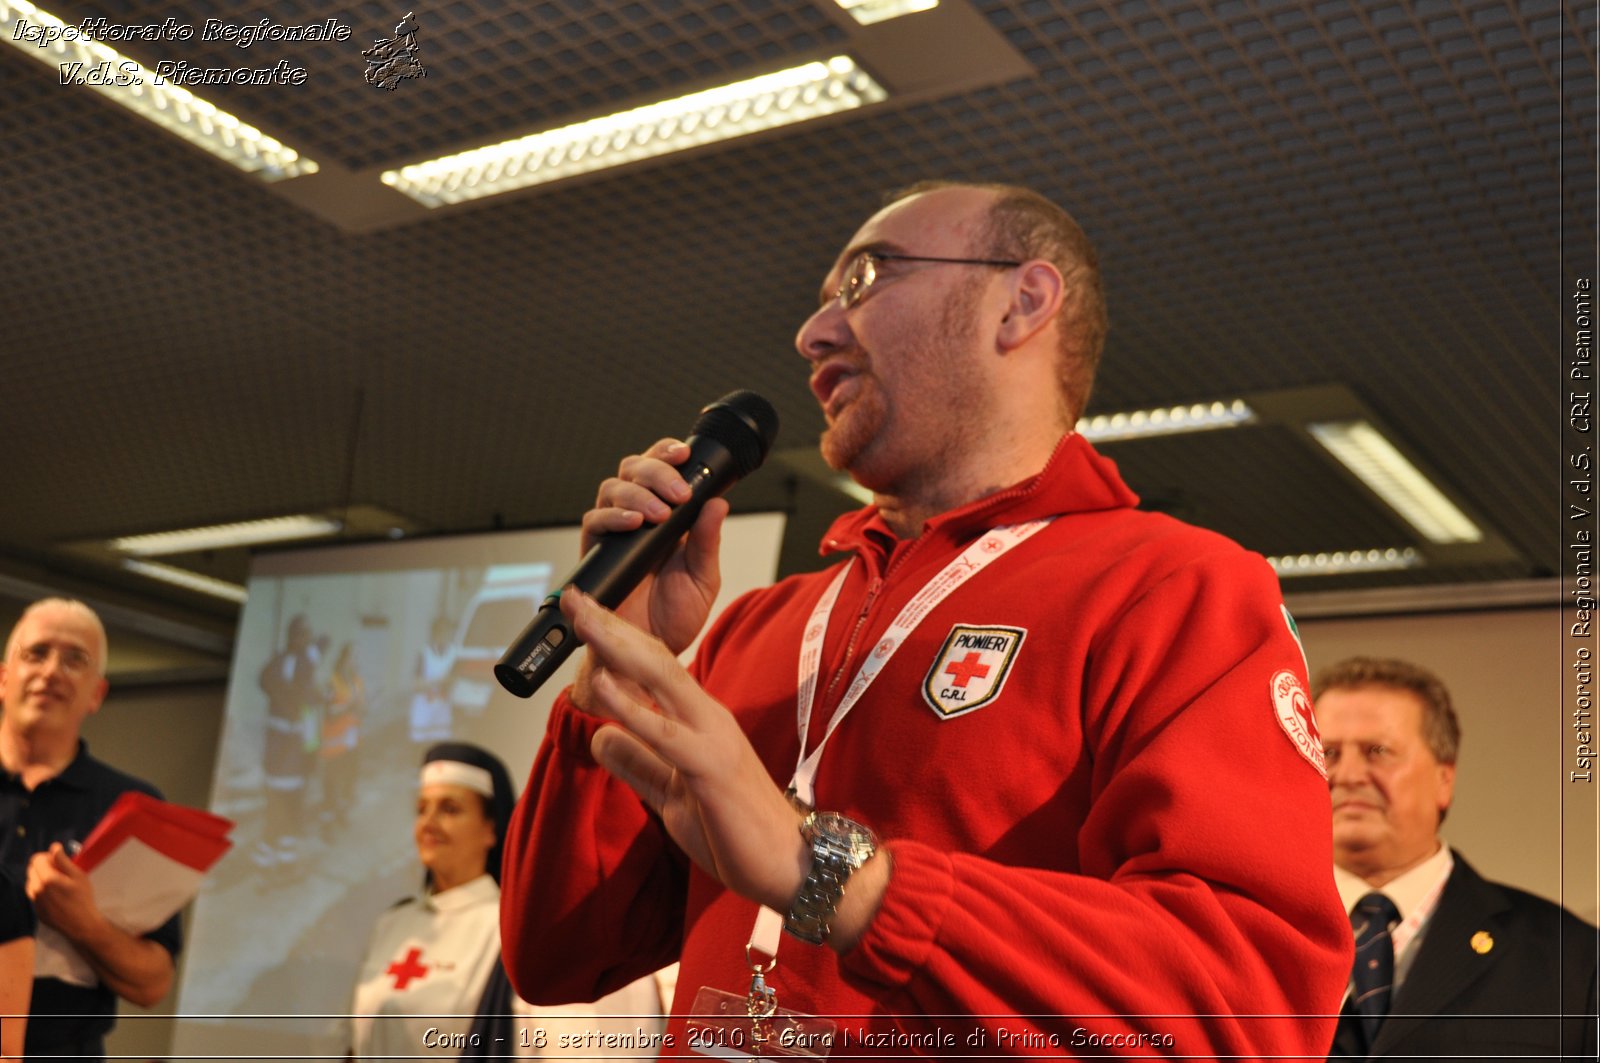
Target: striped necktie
pixel 1373 975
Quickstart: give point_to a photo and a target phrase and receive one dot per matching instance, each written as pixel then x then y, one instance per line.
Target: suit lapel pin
pixel 1482 942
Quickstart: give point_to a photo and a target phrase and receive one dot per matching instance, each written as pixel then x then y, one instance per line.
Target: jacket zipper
pixel 875 585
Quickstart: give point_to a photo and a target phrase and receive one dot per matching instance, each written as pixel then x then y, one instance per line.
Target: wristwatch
pixel 839 845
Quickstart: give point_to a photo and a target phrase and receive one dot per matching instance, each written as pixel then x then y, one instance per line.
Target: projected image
pixel 349 663
pixel 355 675
pixel 340 683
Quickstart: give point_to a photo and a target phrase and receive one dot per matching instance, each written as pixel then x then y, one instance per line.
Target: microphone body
pixel 729 441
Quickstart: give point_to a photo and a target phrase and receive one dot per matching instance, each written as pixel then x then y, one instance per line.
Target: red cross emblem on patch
pixel 404 970
pixel 971 668
pixel 1293 708
pixel 991 545
pixel 884 648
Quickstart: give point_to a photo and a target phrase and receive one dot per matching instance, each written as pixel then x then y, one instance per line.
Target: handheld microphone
pixel 729 441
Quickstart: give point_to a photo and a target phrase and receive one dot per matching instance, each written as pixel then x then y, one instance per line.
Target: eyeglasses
pixel 73 660
pixel 863 272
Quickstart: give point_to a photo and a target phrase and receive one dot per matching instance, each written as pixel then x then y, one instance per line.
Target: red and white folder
pixel 146 859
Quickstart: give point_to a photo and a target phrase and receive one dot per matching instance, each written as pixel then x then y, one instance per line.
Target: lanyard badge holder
pixel 728 1026
pixel 725 1025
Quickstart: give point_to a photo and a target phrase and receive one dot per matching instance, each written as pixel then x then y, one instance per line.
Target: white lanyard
pixel 1411 926
pixel 989 546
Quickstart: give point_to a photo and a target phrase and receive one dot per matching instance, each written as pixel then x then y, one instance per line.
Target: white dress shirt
pixel 1415 894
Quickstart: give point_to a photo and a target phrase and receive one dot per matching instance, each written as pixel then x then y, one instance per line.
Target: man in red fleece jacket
pixel 1071 790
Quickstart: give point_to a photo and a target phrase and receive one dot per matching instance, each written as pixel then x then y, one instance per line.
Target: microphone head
pixel 744 423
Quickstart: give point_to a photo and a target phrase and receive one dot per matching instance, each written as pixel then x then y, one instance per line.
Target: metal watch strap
pixel 838 847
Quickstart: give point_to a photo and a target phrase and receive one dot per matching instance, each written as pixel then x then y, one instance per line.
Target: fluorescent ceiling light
pixel 1172 420
pixel 182 577
pixel 847 486
pixel 177 110
pixel 216 536
pixel 866 12
pixel 1342 561
pixel 765 102
pixel 1363 450
pixel 1135 424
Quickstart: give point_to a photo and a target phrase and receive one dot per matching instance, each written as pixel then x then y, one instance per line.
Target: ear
pixel 489 835
pixel 101 690
pixel 1446 789
pixel 1036 293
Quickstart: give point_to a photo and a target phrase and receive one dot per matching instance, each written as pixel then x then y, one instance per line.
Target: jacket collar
pixel 1449 961
pixel 1076 479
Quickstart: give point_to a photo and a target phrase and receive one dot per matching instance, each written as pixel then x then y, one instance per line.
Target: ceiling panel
pixel 1376 196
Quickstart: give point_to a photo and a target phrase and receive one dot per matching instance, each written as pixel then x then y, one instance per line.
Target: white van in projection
pixel 493 617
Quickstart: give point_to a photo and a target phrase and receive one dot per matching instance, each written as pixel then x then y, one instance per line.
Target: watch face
pixel 844 832
pixel 833 825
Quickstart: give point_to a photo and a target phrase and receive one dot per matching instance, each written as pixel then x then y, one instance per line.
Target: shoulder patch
pixel 1293 708
pixel 1294 629
pixel 971 667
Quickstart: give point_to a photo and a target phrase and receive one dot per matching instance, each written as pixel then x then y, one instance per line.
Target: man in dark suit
pixel 1448 965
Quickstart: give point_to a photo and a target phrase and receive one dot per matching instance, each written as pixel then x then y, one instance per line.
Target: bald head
pixel 1011 222
pixel 76 611
pixel 52 679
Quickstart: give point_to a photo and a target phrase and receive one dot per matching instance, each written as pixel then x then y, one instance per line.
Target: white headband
pixel 456 773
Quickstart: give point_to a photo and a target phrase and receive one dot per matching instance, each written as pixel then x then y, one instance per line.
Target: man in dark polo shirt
pixel 52 793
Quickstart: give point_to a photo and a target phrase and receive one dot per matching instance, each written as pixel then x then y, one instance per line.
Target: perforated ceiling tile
pixel 1284 194
pixel 492 71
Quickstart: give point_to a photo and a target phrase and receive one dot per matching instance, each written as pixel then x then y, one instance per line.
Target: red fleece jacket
pixel 1126 847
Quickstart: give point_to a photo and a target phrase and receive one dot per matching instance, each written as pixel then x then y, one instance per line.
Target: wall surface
pixel 1516 816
